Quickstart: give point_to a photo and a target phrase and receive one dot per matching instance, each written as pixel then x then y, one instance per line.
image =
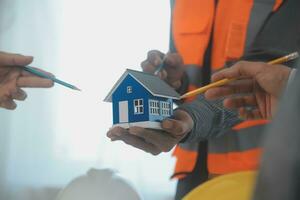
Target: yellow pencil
pixel 225 81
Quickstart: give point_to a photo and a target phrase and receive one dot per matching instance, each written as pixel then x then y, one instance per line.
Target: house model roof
pixel 153 84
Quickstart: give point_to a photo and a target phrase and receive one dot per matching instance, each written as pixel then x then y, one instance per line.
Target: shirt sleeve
pixel 210 118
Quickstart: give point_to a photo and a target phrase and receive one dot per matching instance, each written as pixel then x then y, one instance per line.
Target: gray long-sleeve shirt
pixel 210 117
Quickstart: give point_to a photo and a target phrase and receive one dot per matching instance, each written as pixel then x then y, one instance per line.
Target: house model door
pixel 123 111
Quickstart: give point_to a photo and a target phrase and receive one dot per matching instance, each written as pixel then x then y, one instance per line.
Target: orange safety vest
pixel 234 25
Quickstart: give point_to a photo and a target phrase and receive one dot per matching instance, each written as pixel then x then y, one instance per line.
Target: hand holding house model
pixel 141 99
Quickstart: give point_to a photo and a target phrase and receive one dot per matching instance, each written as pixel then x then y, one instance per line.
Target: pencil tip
pixel 295 55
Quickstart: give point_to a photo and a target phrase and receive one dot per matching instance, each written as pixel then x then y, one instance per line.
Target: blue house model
pixel 141 99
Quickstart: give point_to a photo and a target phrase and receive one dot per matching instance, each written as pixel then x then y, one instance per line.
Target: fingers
pixel 173 66
pixel 20 95
pixel 180 125
pixel 7 100
pixel 116 132
pixel 175 69
pixel 237 87
pixel 161 140
pixel 119 133
pixel 240 69
pixel 155 141
pixel 8 59
pixel 239 102
pixel 139 143
pixel 154 59
pixel 164 140
pixel 175 127
pixel 148 67
pixel 34 82
pixel 8 104
pixel 247 106
pixel 257 114
pixel 174 60
pixel 25 73
pixel 250 114
pixel 163 74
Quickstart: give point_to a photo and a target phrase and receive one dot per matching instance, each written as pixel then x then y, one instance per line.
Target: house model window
pixel 154 107
pixel 129 89
pixel 138 106
pixel 165 108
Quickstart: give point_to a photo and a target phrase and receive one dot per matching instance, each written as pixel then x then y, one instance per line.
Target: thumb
pixel 174 59
pixel 9 59
pixel 175 127
pixel 180 125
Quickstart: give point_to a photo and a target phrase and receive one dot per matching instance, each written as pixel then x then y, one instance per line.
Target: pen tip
pixel 76 88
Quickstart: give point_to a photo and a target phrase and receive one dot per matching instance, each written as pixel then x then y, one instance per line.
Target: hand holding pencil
pixel 15 74
pixel 251 84
pixel 218 82
pixel 13 79
pixel 169 67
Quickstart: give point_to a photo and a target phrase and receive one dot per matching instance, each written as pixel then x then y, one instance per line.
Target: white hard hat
pixel 99 185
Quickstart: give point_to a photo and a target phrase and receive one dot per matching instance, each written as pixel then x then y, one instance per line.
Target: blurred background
pixel 58 134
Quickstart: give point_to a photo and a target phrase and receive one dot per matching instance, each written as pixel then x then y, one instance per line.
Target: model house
pixel 141 99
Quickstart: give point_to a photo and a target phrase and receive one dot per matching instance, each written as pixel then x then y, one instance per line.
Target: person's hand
pixel 258 86
pixel 13 78
pixel 173 67
pixel 155 141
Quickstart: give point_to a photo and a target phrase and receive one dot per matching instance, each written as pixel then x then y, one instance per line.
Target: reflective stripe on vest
pixel 234 161
pixel 233 22
pixel 232 141
pixel 238 149
pixel 186 159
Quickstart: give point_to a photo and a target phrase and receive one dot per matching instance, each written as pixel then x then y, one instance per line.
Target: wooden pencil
pixel 225 81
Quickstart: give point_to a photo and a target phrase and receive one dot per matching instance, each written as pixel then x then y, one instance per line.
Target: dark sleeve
pixel 210 118
pixel 279 173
